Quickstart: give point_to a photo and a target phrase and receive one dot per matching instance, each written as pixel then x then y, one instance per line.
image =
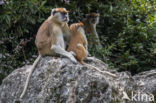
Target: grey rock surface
pixel 58 80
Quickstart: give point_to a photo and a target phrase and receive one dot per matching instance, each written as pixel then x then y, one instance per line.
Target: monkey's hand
pixel 72 58
pixel 58 50
pixel 73 53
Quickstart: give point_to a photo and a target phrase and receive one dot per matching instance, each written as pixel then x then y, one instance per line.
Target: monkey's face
pixel 61 14
pixel 93 18
pixel 63 17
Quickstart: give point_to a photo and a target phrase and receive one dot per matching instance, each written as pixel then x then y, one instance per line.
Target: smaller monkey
pixel 90 23
pixel 78 45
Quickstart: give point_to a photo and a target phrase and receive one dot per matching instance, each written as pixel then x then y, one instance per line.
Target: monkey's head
pixel 60 14
pixel 77 27
pixel 93 18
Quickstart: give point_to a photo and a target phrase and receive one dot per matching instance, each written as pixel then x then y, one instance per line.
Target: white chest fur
pixel 60 40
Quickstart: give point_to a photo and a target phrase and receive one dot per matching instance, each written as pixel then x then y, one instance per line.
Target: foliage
pixel 127 31
pixel 130 34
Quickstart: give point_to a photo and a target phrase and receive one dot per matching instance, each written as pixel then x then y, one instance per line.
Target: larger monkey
pixel 90 23
pixel 50 38
pixel 78 45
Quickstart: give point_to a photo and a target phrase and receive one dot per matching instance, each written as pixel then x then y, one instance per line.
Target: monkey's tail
pixel 93 67
pixel 29 75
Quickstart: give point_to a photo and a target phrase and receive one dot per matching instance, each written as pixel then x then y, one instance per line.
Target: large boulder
pixel 58 80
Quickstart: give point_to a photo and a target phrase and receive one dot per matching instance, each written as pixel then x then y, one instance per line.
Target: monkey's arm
pixel 85 42
pixel 67 35
pixel 58 50
pixel 58 46
pixel 97 38
pixel 86 46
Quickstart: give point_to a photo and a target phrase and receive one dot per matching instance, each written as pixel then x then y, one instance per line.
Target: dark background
pixel 127 31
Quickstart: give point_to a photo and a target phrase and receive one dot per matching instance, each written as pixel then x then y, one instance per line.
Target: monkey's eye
pixel 63 13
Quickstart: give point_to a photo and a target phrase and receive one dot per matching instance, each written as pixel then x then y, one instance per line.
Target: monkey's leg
pixel 61 51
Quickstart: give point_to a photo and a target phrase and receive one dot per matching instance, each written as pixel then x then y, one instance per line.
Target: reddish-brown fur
pixel 77 42
pixel 77 45
pixel 63 10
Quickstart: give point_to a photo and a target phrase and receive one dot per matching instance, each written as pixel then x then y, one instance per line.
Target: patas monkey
pixel 78 46
pixel 90 23
pixel 78 43
pixel 50 38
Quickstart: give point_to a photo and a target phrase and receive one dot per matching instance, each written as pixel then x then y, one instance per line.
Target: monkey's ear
pixel 53 12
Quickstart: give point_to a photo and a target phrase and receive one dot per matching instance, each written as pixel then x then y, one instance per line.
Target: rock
pixel 58 80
